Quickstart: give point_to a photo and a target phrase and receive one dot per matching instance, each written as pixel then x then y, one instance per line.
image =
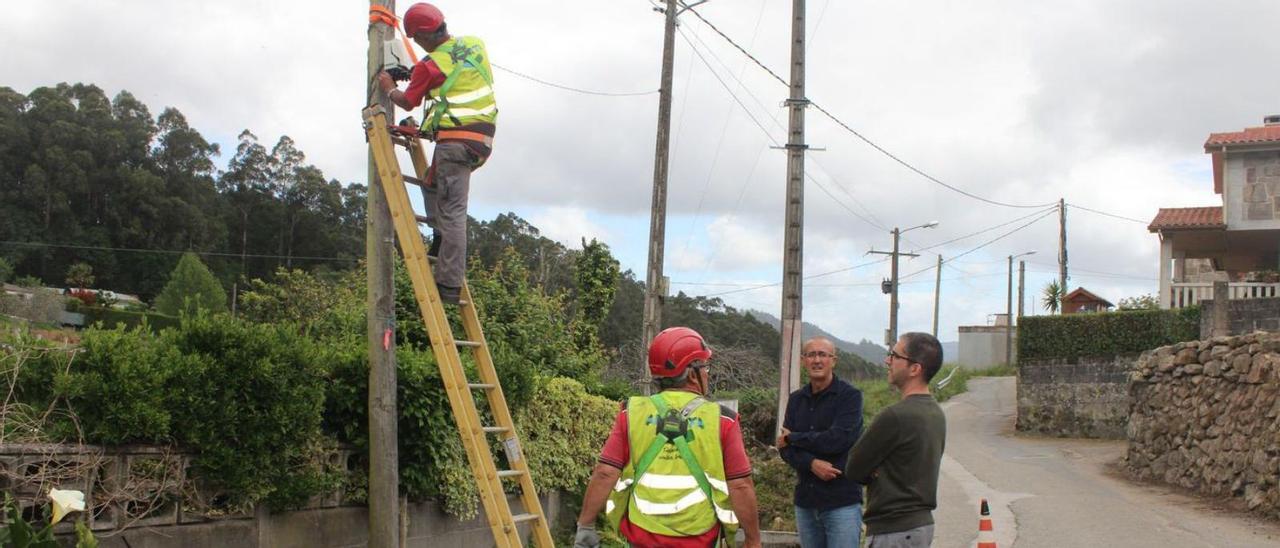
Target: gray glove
pixel 587 537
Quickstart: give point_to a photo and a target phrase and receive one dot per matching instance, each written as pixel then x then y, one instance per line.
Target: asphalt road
pixel 1049 492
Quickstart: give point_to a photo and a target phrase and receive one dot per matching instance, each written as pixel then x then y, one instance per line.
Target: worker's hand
pixel 385 82
pixel 587 537
pixel 824 470
pixel 782 439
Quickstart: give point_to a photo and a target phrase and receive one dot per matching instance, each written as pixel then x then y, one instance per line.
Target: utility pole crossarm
pixel 900 253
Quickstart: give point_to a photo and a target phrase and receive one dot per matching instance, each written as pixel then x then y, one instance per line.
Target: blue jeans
pixel 830 528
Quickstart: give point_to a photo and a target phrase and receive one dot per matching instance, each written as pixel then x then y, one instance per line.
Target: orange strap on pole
pixel 380 14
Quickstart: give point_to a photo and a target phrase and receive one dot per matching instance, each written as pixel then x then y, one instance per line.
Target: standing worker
pixel 899 456
pixel 823 421
pixel 674 472
pixel 461 119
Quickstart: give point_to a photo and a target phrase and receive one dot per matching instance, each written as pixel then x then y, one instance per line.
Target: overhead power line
pixel 858 134
pixel 980 246
pixel 571 88
pixel 1113 215
pixel 176 252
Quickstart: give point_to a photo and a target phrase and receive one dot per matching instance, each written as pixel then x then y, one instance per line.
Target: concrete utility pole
pixel 1062 247
pixel 937 294
pixel 384 474
pixel 793 246
pixel 1022 288
pixel 655 288
pixel 891 334
pixel 1008 328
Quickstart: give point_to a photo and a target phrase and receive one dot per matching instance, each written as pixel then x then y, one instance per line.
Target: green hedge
pixel 1106 334
pixel 112 318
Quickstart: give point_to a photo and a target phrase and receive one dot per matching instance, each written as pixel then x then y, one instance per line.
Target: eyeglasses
pixel 891 355
pixel 817 354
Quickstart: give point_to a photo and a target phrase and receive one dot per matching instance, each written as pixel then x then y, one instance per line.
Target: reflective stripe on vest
pixel 667 499
pixel 467 95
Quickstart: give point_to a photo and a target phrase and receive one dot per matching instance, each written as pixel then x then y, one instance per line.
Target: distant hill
pixel 864 349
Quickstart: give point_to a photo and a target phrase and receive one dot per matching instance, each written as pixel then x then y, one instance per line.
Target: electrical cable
pixel 570 88
pixel 980 246
pixel 1121 217
pixel 175 252
pixel 859 135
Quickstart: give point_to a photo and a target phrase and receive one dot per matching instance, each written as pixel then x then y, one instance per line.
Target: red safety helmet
pixel 674 349
pixel 422 17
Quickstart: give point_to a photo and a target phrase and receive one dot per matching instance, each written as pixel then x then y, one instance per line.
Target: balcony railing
pixel 1190 294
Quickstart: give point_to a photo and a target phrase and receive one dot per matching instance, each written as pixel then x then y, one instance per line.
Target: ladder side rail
pixel 498 512
pixel 502 417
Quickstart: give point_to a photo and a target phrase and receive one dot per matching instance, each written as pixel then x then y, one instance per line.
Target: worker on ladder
pixel 461 119
pixel 674 471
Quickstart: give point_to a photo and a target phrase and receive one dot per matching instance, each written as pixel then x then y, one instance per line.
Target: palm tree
pixel 1052 295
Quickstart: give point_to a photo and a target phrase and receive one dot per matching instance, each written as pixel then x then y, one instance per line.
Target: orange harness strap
pixel 464 135
pixel 380 14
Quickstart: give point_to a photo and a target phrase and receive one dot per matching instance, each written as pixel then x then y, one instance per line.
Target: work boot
pixel 434 251
pixel 449 295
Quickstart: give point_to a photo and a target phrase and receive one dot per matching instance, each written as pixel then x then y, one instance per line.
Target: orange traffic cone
pixel 986 537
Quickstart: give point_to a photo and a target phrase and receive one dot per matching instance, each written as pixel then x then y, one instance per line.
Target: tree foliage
pixel 110 178
pixel 191 287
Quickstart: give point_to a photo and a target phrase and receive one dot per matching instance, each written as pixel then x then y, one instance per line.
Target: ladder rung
pixel 481 386
pixel 495 429
pixel 509 473
pixel 421 218
pixel 402 141
pixel 521 518
pixel 468 344
pixel 412 180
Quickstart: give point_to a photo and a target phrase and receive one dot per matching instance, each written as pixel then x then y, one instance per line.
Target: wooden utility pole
pixel 937 294
pixel 380 312
pixel 793 246
pixel 1062 247
pixel 655 288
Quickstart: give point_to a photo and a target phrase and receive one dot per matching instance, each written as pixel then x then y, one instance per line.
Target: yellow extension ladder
pixel 474 434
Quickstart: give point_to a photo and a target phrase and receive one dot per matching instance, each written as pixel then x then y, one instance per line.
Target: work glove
pixel 587 537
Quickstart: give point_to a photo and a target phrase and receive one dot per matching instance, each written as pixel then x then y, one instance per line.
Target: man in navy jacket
pixel 823 420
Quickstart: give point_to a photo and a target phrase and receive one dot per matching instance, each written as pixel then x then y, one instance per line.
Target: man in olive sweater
pixel 899 454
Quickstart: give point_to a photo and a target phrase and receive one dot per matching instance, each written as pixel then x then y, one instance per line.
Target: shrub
pixel 562 429
pixel 191 287
pixel 433 464
pixel 112 318
pixel 1105 334
pixel 248 399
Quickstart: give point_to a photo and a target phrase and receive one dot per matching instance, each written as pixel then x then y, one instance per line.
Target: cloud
pixel 1104 103
pixel 568 226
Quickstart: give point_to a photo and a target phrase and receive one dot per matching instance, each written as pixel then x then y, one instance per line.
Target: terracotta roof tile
pixel 1183 218
pixel 1250 136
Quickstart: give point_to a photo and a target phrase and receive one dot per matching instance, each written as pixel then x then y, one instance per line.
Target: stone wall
pixel 1079 398
pixel 1244 316
pixel 1204 417
pixel 1261 194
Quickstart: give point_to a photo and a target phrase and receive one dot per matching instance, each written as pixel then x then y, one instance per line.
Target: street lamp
pixel 1008 327
pixel 892 335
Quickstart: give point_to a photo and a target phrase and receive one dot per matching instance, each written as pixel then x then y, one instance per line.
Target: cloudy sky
pixel 1105 103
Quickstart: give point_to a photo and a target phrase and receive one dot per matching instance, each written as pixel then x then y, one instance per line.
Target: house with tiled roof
pixel 1237 241
pixel 1082 300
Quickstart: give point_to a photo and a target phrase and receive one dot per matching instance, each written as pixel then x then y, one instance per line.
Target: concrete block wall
pixel 1080 398
pixel 1244 316
pixel 983 346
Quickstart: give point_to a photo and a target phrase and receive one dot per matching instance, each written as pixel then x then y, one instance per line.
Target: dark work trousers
pixel 446 199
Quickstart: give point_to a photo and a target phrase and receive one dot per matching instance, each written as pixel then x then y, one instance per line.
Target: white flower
pixel 65 502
